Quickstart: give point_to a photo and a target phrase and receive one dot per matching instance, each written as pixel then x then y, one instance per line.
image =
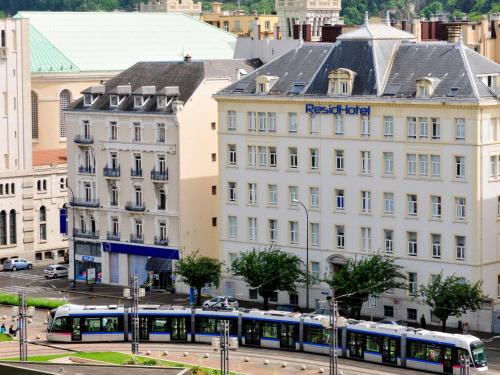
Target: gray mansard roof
pixel 384 68
pixel 187 76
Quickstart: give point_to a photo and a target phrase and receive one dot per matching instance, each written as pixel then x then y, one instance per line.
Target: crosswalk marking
pixel 25 276
pixel 15 289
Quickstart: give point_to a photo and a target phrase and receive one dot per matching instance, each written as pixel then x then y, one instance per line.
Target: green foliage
pixel 359 277
pixel 5 337
pixel 451 296
pixel 198 272
pixel 268 270
pixel 42 303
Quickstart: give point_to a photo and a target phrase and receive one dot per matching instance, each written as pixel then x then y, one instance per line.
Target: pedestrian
pixel 466 328
pixel 423 322
pixel 2 328
pixel 12 331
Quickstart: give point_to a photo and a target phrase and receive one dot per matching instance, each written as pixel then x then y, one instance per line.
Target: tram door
pixel 447 360
pixel 76 330
pixel 252 332
pixel 143 328
pixel 389 350
pixel 355 344
pixel 287 335
pixel 179 329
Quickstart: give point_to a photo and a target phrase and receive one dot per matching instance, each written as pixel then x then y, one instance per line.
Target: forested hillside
pixel 352 10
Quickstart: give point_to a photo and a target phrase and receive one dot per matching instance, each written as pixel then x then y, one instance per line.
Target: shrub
pixel 149 362
pixel 42 303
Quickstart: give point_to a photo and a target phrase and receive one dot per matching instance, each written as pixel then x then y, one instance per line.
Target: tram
pixel 385 344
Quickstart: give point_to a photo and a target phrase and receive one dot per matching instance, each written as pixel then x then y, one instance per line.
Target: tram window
pixel 159 325
pixel 427 352
pixel 416 350
pixel 373 343
pixel 270 330
pixel 213 326
pixel 92 325
pixel 433 353
pixel 111 324
pixel 60 325
pixel 313 334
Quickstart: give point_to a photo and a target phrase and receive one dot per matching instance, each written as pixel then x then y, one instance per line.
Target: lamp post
pixel 73 286
pixel 307 250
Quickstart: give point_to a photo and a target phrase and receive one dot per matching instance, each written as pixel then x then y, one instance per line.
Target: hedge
pixel 42 303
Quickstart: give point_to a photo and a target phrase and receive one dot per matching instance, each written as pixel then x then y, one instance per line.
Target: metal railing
pixel 133 206
pixel 83 202
pixel 86 234
pixel 159 175
pixel 84 139
pixel 113 236
pixel 161 241
pixel 136 239
pixel 111 172
pixel 135 172
pixel 86 170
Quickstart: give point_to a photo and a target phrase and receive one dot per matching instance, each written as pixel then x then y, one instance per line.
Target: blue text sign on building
pixel 87 258
pixel 338 109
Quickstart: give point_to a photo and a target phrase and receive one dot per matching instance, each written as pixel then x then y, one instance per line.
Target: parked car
pixel 55 271
pixel 15 264
pixel 287 308
pixel 221 302
pixel 393 322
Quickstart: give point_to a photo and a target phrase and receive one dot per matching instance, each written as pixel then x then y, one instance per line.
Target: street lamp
pixel 73 286
pixel 307 250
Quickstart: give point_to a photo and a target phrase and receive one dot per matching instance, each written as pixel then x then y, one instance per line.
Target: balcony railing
pixel 84 139
pixel 134 206
pixel 135 172
pixel 86 170
pixel 86 234
pixel 162 207
pixel 111 172
pixel 159 175
pixel 82 202
pixel 113 236
pixel 136 239
pixel 161 241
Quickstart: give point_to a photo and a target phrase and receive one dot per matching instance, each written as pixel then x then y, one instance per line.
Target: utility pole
pixel 332 304
pixel 224 348
pixel 135 313
pixel 22 326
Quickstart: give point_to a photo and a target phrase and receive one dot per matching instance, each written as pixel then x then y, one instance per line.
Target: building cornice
pixel 72 77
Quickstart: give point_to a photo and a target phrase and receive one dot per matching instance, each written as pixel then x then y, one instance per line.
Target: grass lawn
pixel 43 303
pixel 5 337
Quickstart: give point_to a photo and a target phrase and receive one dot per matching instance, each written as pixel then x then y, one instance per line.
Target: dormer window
pixel 340 82
pixel 138 101
pixel 113 100
pixel 262 88
pixel 264 84
pixel 91 94
pixel 162 102
pixel 426 86
pixel 90 99
pixel 423 90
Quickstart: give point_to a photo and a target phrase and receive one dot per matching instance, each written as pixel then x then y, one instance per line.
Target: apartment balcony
pixel 159 176
pixel 136 239
pixel 113 236
pixel 134 206
pixel 84 139
pixel 86 234
pixel 82 202
pixel 161 241
pixel 111 172
pixel 135 172
pixel 86 170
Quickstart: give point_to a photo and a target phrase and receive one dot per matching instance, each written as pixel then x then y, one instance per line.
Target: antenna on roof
pixel 388 18
pixel 367 21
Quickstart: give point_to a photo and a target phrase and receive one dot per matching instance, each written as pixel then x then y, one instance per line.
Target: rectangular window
pixel 389 203
pixel 161 134
pixel 232 154
pixel 315 121
pixel 388 163
pixel 340 234
pixel 339 125
pixel 293 192
pixel 423 124
pixel 294 231
pixel 366 162
pixel 460 166
pixel 252 229
pixel 233 226
pixel 412 127
pixel 412 164
pixel 252 294
pixel 137 132
pixel 365 126
pixel 294 298
pixel 436 245
pixel 388 240
pixel 315 270
pixel 460 247
pixel 366 239
pixel 314 193
pixel 436 206
pixel 251 122
pixel 412 243
pixel 273 230
pixel 273 194
pixel 252 193
pixel 493 166
pixel 339 198
pixel 231 115
pixel 293 157
pixel 388 126
pixel 389 311
pixel 314 158
pixel 423 161
pixel 366 201
pixel 113 131
pixel 262 122
pixel 435 128
pixel 262 156
pixel 412 204
pixel 412 289
pixel 460 208
pixel 252 156
pixel 459 129
pixel 339 160
pixel 271 118
pixel 292 122
pixel 411 314
pixel 232 191
pixel 315 237
pixel 436 165
pixel 273 158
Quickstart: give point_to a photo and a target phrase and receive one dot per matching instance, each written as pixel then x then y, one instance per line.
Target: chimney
pixel 187 58
pixel 256 29
pixel 330 33
pixel 403 25
pixel 216 7
pixel 306 32
pixel 417 28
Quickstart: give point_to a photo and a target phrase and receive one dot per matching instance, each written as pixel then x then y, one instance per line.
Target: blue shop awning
pixel 149 251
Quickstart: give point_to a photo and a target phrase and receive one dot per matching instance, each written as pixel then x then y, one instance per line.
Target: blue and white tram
pixel 367 341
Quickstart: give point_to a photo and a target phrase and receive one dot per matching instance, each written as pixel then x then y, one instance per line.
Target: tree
pixel 361 277
pixel 451 296
pixel 198 272
pixel 268 270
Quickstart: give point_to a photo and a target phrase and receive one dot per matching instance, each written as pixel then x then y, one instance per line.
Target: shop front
pixel 88 262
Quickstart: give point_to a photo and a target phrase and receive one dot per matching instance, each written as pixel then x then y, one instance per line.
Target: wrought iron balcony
pixel 111 172
pixel 161 241
pixel 86 234
pixel 113 236
pixel 86 170
pixel 159 175
pixel 134 206
pixel 82 202
pixel 136 239
pixel 84 139
pixel 135 172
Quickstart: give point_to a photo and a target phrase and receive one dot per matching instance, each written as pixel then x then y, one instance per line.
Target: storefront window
pixel 81 270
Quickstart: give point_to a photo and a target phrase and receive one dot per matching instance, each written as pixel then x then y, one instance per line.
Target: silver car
pixel 55 271
pixel 15 264
pixel 221 302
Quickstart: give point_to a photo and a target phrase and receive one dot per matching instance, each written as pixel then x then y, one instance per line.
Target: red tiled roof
pixel 48 157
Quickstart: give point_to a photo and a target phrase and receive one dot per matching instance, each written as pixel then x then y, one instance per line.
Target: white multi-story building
pixel 142 168
pixel 392 146
pixel 315 13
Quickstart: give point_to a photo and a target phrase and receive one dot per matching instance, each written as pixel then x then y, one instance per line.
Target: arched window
pixel 44 185
pixel 12 188
pixel 64 100
pixel 43 224
pixel 12 227
pixel 38 185
pixel 34 115
pixel 3 228
pixel 43 214
pixel 93 228
pixel 83 224
pixel 7 189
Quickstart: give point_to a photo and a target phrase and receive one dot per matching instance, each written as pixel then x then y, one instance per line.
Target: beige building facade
pixel 188 7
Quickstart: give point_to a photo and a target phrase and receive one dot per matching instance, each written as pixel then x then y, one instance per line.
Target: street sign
pixel 90 275
pixel 372 301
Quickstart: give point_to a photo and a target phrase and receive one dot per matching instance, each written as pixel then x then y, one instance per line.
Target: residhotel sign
pixel 338 109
